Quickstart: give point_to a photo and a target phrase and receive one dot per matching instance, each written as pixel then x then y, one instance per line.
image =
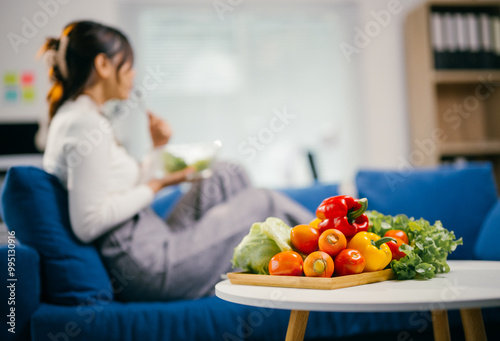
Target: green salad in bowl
pixel 200 156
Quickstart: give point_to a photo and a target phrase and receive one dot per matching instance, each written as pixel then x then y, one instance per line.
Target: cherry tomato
pixel 286 263
pixel 318 264
pixel 394 246
pixel 397 234
pixel 348 262
pixel 332 242
pixel 304 238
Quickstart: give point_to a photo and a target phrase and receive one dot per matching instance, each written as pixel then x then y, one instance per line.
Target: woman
pixel 109 193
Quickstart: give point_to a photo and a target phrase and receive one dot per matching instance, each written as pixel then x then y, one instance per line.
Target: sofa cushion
pixel 486 247
pixel 210 318
pixel 35 206
pixel 459 196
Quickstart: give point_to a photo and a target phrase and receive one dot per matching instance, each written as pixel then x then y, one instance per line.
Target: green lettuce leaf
pixel 429 244
pixel 260 245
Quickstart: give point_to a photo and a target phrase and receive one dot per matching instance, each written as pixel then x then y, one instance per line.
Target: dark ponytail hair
pixel 85 40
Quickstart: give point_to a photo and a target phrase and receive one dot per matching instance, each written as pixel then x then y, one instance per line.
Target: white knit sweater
pixel 105 185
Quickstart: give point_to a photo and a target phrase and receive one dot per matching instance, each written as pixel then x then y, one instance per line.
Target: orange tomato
pixel 332 241
pixel 397 234
pixel 286 263
pixel 304 238
pixel 318 264
pixel 349 262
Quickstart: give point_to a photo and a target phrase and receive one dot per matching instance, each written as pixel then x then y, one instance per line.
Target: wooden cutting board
pixel 311 282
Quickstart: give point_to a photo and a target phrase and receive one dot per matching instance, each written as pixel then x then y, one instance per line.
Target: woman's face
pixel 124 80
pixel 117 84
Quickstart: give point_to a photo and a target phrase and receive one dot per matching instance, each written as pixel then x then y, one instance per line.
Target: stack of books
pixel 465 37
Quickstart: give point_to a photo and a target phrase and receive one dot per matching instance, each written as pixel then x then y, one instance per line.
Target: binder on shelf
pixel 487 54
pixel 437 41
pixel 495 27
pixel 450 41
pixel 462 42
pixel 474 54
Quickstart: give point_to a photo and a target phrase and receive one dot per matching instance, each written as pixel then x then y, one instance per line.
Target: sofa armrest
pixel 20 294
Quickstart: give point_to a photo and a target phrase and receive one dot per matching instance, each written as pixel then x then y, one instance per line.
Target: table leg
pixel 440 325
pixel 472 320
pixel 297 325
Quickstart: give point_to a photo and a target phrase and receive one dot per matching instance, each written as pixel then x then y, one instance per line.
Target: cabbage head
pixel 262 242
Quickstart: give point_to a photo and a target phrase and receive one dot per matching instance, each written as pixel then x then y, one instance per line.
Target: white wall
pixel 33 21
pixel 382 92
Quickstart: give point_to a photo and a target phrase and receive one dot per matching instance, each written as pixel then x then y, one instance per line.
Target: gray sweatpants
pixel 149 259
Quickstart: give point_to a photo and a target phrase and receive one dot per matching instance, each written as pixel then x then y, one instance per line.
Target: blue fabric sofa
pixel 62 291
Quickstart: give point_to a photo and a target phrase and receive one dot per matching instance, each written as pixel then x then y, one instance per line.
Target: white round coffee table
pixel 469 286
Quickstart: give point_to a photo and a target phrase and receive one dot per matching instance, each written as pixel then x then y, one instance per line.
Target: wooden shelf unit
pixel 464 76
pixel 470 148
pixel 463 105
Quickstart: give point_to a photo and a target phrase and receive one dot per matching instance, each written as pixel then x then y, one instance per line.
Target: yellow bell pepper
pixel 373 248
pixel 315 223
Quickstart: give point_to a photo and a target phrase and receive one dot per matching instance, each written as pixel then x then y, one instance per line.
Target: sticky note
pixel 27 78
pixel 11 95
pixel 10 79
pixel 28 94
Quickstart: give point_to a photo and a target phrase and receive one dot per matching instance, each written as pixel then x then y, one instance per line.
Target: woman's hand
pixel 171 179
pixel 159 129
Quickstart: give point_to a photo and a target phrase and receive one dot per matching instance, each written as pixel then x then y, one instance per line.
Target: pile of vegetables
pixel 346 239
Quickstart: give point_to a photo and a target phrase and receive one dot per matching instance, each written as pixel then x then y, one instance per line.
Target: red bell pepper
pixel 343 213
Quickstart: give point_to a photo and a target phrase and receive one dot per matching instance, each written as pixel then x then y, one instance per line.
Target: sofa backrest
pixel 486 247
pixel 459 196
pixel 312 196
pixel 35 206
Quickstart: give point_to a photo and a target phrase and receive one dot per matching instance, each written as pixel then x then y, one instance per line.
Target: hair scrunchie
pixel 58 57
